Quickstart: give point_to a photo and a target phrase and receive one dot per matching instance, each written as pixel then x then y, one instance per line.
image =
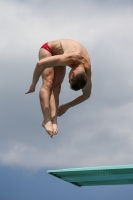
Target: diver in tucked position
pixel 54 56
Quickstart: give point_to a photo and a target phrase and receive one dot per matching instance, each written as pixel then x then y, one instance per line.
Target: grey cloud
pixel 90 133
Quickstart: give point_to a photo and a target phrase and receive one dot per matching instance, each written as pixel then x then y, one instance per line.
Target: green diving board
pixel 94 176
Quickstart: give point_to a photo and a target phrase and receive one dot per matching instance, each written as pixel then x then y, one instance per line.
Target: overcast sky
pixel 94 133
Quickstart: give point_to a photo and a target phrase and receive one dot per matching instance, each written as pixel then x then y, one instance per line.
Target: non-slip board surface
pixel 94 176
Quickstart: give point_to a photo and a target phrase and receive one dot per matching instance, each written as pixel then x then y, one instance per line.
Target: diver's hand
pixel 62 109
pixel 32 89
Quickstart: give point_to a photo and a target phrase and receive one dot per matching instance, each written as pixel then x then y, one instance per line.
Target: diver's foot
pixel 48 127
pixel 55 128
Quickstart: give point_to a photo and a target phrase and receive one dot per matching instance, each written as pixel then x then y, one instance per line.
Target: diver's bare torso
pixel 67 46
